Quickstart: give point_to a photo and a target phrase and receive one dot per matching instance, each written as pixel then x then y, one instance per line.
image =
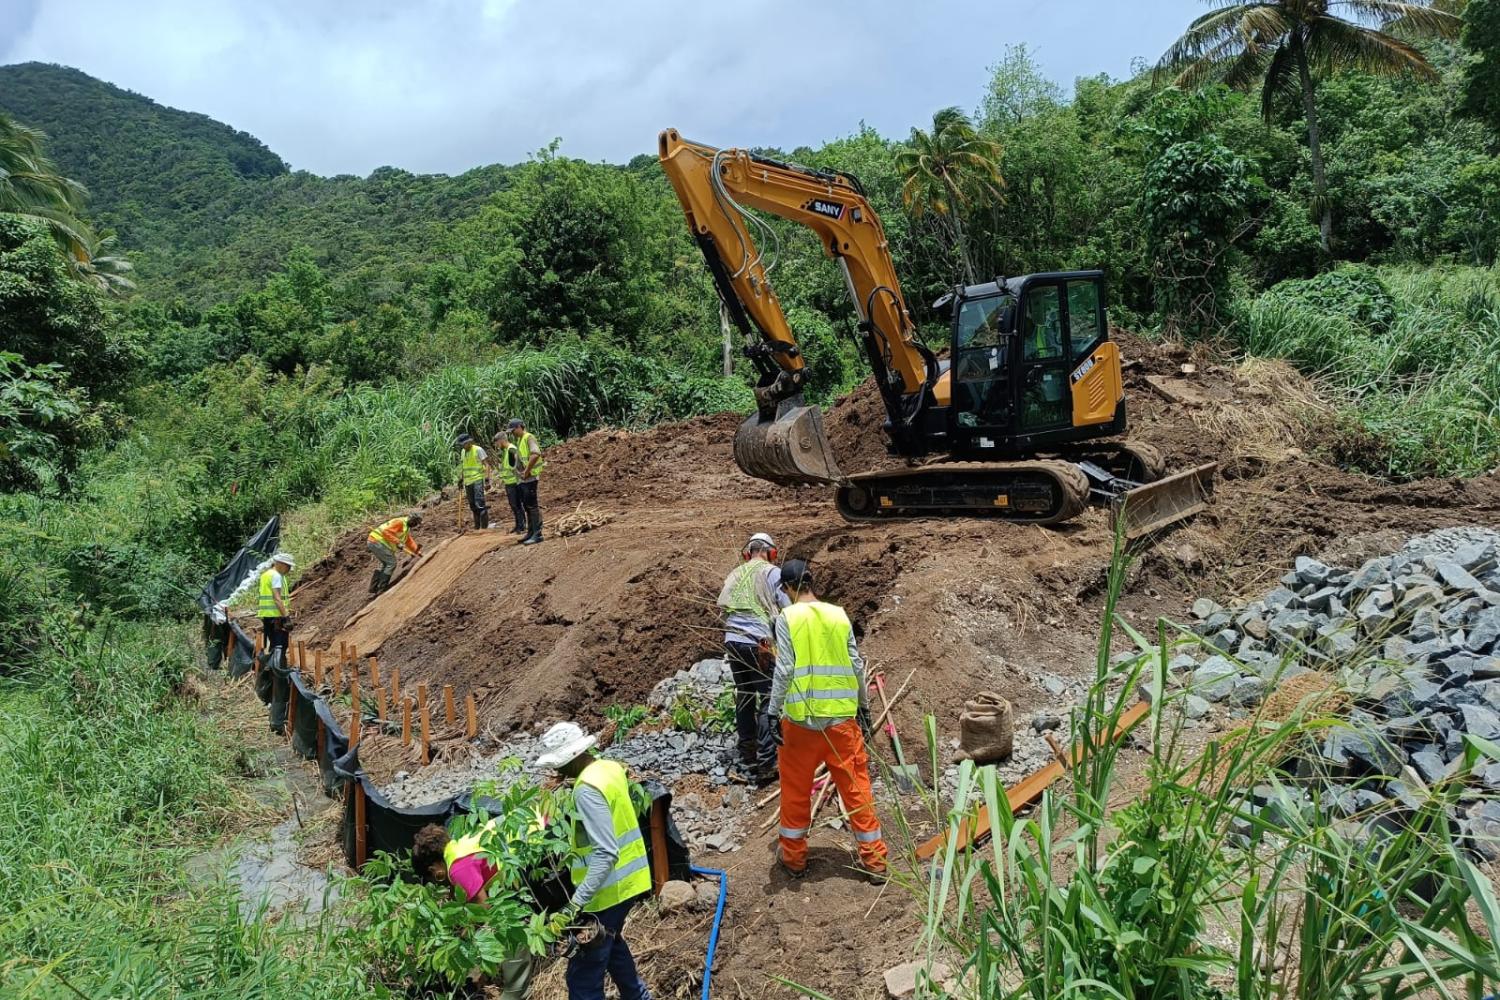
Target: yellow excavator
pixel 1009 425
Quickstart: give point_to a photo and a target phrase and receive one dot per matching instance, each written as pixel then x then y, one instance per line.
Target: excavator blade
pixel 1150 508
pixel 790 450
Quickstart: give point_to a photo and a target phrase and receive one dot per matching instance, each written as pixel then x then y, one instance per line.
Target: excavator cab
pixel 1032 365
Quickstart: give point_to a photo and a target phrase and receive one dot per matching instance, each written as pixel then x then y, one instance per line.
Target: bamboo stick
pixel 448 709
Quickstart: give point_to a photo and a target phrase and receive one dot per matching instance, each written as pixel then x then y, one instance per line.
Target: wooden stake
pixel 395 682
pixel 229 648
pixel 357 789
pixel 473 709
pixel 380 695
pixel 658 845
pixel 374 671
pixel 356 720
pixel 406 722
pixel 426 730
pixel 291 708
pixel 318 669
pixel 338 675
pixel 448 709
pixel 255 658
pixel 301 655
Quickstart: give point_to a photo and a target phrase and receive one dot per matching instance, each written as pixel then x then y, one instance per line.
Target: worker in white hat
pixel 613 872
pixel 751 596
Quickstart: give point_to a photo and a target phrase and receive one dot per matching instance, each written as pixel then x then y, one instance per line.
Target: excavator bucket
pixel 1154 506
pixel 790 449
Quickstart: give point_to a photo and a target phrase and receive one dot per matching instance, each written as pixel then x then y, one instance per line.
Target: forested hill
pixel 208 212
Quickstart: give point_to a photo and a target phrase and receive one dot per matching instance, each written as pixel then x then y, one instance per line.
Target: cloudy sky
pixel 344 86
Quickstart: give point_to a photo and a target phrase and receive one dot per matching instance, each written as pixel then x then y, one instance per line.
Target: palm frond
pixel 1281 80
pixel 1405 16
pixel 1207 36
pixel 1333 43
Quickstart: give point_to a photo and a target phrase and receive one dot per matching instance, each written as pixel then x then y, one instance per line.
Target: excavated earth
pixel 565 629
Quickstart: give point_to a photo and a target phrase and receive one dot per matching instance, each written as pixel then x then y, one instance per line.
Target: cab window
pixel 981 321
pixel 1041 335
pixel 1083 316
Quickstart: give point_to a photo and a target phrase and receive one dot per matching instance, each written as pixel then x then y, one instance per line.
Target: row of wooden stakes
pixel 345 673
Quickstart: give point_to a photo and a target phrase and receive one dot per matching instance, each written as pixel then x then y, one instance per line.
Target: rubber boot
pixel 377 581
pixel 534 519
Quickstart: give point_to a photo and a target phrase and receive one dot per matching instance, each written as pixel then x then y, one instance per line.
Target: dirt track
pixel 564 629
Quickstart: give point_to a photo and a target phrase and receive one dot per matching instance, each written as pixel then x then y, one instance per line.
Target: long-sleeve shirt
pixel 604 850
pixel 786 661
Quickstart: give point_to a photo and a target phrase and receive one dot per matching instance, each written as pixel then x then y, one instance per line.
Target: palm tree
pixel 948 172
pixel 30 186
pixel 1284 43
pixel 105 268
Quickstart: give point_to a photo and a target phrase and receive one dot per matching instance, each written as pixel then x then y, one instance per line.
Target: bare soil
pixel 564 629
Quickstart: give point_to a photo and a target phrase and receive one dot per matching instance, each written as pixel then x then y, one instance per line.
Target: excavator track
pixel 1044 492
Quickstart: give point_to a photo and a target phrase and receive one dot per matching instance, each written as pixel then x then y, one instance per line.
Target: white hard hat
pixel 284 557
pixel 760 536
pixel 563 744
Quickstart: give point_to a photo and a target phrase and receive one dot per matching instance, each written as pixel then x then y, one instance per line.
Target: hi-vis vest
pixel 394 534
pixel 823 682
pixel 267 607
pixel 740 594
pixel 510 470
pixel 632 874
pixel 473 468
pixel 523 450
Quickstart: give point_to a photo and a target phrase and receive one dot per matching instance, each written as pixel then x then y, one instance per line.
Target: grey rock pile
pixel 707 827
pixel 670 755
pixel 706 679
pixel 1430 612
pixel 1414 637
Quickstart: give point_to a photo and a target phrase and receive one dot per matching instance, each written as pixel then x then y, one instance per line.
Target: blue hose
pixel 713 935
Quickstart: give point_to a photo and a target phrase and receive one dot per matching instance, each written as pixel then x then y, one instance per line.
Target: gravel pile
pixel 706 680
pixel 667 757
pixel 1414 637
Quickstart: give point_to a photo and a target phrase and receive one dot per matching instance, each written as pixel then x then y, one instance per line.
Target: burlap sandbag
pixel 985 729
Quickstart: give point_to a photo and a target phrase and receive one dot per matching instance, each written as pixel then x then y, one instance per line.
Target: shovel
pixel 906 775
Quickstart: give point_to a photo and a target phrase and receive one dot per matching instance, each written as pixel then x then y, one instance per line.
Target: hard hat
pixel 796 573
pixel 563 744
pixel 760 536
pixel 284 557
pixel 414 518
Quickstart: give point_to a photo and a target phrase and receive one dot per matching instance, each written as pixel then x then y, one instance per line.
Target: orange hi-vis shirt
pixel 394 534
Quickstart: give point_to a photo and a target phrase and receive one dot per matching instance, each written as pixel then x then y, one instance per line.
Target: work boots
pixel 534 524
pixel 377 579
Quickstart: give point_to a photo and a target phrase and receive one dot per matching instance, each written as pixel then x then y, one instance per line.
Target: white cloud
pixel 444 85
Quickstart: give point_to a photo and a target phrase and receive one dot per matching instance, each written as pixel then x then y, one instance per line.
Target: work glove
pixel 561 921
pixel 774 727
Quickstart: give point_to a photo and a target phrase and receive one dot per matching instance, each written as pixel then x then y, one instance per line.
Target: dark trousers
pixel 475 494
pixel 752 689
pixel 607 953
pixel 517 509
pixel 527 492
pixel 273 686
pixel 276 634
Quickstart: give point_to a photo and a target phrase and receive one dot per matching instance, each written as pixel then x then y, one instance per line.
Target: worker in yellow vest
pixel 473 477
pixel 613 872
pixel 437 857
pixel 508 457
pixel 274 607
pixel 386 541
pixel 529 453
pixel 750 598
pixel 818 699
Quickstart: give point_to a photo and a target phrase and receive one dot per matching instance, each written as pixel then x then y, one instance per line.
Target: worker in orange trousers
pixel 818 698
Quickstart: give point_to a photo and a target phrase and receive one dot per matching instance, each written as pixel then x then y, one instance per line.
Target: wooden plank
pixel 1024 792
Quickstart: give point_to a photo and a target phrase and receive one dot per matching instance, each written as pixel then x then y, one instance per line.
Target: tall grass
pixel 1423 381
pixel 1214 874
pixel 109 785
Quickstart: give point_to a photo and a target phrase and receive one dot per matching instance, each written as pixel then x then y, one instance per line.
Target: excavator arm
pixel 784 441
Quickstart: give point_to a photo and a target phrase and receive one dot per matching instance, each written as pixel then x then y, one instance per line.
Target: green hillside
pixel 209 212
